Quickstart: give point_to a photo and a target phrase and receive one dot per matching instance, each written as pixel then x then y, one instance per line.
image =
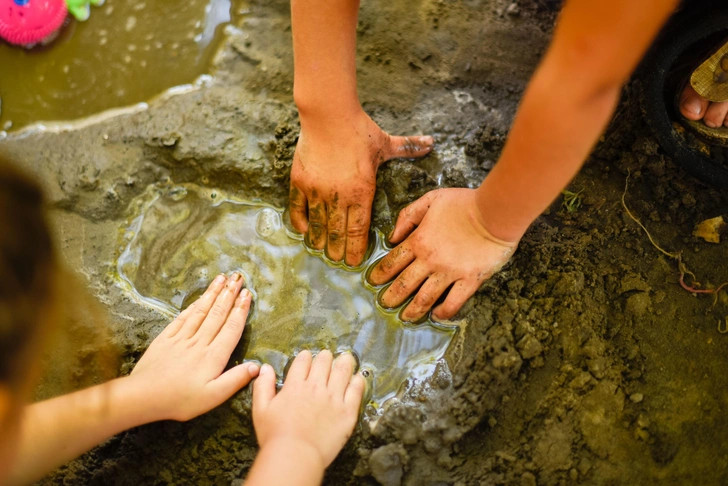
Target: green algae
pixel 182 236
pixel 125 53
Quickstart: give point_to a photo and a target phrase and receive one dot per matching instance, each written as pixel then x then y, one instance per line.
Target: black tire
pixel 688 37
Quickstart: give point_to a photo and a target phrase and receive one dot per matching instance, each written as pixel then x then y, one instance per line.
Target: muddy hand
pixel 333 180
pixel 181 373
pixel 448 249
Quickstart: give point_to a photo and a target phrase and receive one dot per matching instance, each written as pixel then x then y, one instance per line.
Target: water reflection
pixel 183 236
pixel 125 53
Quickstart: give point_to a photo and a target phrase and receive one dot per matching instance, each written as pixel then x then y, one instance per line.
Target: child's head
pixel 27 267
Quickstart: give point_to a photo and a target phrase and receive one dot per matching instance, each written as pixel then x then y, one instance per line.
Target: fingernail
pixel 253 368
pixel 236 277
pixel 243 295
pixel 219 279
pixel 266 369
pixel 428 140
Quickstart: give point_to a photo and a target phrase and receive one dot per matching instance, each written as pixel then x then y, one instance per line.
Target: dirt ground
pixel 582 362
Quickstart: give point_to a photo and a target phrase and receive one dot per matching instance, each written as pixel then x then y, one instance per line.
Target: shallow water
pixel 182 236
pixel 125 53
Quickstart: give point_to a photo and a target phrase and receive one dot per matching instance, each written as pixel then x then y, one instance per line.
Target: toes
pixel 715 114
pixel 692 105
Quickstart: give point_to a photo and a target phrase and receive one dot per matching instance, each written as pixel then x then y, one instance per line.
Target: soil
pixel 582 362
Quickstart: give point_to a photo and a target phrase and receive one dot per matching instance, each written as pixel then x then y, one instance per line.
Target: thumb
pixel 409 147
pixel 233 380
pixel 264 389
pixel 410 217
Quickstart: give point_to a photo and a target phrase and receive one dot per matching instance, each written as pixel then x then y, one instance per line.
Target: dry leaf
pixel 711 229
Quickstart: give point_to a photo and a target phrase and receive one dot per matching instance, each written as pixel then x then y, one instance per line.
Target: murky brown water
pixel 125 53
pixel 185 235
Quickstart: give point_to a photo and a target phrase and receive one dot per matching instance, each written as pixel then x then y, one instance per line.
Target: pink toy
pixel 29 22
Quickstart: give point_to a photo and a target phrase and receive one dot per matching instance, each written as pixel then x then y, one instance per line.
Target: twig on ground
pixel 692 287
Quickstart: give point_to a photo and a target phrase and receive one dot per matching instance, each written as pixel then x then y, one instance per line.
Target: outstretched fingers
pixel 231 331
pixel 300 368
pixel 357 233
pixel 317 222
pixel 426 297
pixel 459 294
pixel 354 393
pixel 393 262
pixel 336 231
pixel 220 310
pixel 264 389
pixel 321 367
pixel 410 217
pixel 298 206
pixel 341 372
pixel 405 284
pixel 198 311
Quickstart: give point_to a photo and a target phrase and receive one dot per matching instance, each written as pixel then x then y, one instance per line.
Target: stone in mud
pixel 387 464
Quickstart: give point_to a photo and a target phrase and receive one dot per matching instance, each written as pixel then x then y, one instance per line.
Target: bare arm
pixel 464 236
pixel 179 377
pixel 567 105
pixel 340 148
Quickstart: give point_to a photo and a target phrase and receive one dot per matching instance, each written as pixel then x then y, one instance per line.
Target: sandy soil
pixel 582 362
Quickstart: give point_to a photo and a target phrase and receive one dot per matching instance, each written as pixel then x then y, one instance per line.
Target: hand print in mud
pixel 184 235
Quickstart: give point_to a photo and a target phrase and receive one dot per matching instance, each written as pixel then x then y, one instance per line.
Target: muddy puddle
pixel 125 53
pixel 182 236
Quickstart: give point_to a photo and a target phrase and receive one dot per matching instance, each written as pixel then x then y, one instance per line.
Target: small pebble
pixel 636 397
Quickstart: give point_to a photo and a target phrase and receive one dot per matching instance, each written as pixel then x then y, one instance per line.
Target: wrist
pixel 137 402
pixel 507 236
pixel 326 107
pixel 500 216
pixel 293 447
pixel 287 461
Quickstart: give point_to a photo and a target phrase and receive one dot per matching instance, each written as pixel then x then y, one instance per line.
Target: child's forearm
pixel 324 48
pixel 57 430
pixel 286 463
pixel 551 137
pixel 566 107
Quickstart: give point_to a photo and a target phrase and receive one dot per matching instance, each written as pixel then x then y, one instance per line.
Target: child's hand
pixel 316 410
pixel 181 374
pixel 450 246
pixel 333 180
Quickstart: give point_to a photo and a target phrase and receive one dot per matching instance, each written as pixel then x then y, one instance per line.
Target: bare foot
pixel 695 107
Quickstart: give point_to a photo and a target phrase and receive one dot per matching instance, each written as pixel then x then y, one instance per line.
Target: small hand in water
pixel 181 373
pixel 315 411
pixel 448 247
pixel 333 180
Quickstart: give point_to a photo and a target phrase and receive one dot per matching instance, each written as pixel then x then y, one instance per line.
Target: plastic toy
pixel 31 22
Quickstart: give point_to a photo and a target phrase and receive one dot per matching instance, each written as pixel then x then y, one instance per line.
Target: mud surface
pixel 185 235
pixel 582 362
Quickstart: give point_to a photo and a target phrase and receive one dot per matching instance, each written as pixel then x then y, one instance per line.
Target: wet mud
pixel 582 362
pixel 185 235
